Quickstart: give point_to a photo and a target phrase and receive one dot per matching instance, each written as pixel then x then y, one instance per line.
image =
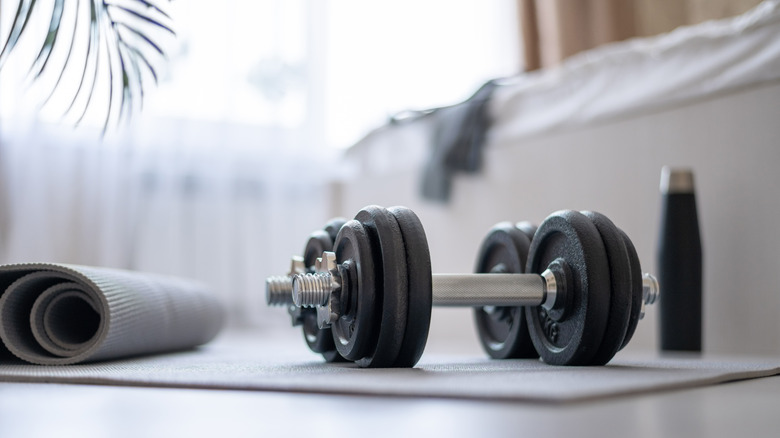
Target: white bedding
pixel 642 74
pixel 616 80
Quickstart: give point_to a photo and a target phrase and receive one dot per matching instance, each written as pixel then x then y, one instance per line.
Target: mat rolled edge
pixel 58 314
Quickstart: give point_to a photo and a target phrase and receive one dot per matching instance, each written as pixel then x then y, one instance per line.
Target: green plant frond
pixel 152 6
pixel 111 72
pixel 140 56
pixel 120 36
pixel 21 19
pixel 142 36
pixel 51 37
pixel 90 42
pixel 95 46
pixel 135 76
pixel 67 57
pixel 126 100
pixel 142 17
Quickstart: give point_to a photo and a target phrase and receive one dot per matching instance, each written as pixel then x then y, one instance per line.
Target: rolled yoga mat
pixel 56 314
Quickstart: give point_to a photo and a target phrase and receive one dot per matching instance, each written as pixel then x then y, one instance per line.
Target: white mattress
pixel 642 74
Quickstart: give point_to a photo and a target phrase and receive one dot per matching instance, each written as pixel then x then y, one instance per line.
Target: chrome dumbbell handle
pixel 511 290
pixel 473 290
pixel 451 290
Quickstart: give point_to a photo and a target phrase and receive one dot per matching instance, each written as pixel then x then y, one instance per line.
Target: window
pixel 335 69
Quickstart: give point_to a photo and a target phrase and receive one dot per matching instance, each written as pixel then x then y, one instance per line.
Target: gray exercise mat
pixel 259 363
pixel 56 314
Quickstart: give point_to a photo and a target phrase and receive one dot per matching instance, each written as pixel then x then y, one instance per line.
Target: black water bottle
pixel 679 263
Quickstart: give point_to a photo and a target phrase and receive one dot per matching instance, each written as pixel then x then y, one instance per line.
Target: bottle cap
pixel 678 180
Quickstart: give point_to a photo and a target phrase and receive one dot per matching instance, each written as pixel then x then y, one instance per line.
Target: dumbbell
pixel 514 332
pixel 278 291
pixel 583 295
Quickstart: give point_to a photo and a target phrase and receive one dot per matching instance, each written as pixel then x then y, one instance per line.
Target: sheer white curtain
pixel 188 203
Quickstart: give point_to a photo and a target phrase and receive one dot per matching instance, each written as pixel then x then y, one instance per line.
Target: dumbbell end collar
pixel 650 292
pixel 279 288
pixel 321 290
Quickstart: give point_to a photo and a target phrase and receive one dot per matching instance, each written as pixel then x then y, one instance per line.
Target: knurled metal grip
pixel 474 290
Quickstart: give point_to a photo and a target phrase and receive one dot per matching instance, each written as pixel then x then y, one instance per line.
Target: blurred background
pixel 269 117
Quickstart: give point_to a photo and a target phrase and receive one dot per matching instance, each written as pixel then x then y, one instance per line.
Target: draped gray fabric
pixel 458 137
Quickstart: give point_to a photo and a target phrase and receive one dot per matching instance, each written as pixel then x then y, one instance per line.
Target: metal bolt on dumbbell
pixel 279 289
pixel 650 291
pixel 375 289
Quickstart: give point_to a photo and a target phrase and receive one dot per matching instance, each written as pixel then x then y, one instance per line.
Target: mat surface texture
pixel 257 363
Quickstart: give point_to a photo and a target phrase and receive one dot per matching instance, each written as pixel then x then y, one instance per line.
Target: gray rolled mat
pixel 56 314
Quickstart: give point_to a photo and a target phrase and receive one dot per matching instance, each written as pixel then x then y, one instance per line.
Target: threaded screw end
pixel 650 292
pixel 278 291
pixel 310 290
pixel 650 288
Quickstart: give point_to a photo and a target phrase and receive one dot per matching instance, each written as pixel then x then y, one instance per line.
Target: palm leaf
pixel 142 36
pixel 143 17
pixel 90 42
pixel 51 37
pixel 22 17
pixel 65 63
pixel 122 37
pixel 138 55
pixel 93 52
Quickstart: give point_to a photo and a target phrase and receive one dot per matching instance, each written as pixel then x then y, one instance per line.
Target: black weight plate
pixel 528 229
pixel 420 294
pixel 620 288
pixel 570 238
pixel 354 331
pixel 318 340
pixel 333 226
pixel 319 242
pixel 636 288
pixel 503 331
pixel 392 285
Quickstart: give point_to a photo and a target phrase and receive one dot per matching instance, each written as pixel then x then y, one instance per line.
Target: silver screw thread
pixel 278 290
pixel 310 290
pixel 650 292
pixel 650 288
